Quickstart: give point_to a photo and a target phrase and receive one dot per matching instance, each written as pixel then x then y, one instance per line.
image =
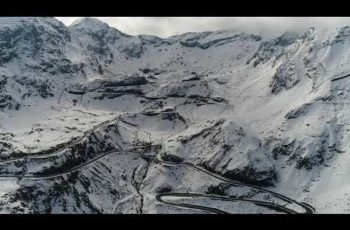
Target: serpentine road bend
pixel 160 197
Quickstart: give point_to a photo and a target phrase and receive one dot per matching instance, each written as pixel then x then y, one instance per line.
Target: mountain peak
pixel 89 23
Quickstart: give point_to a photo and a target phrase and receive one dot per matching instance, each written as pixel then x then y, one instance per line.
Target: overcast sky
pixel 167 26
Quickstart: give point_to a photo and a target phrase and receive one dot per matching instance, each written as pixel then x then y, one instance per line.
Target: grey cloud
pixel 266 26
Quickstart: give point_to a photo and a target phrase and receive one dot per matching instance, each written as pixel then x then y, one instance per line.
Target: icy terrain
pixel 93 120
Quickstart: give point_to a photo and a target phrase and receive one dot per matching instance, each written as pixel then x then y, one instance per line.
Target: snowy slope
pixel 93 120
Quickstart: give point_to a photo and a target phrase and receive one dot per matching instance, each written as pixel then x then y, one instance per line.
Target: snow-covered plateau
pixel 93 120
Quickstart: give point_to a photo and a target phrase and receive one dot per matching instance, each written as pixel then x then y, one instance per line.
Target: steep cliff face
pixel 93 120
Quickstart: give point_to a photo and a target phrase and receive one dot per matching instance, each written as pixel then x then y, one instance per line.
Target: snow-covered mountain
pixel 93 120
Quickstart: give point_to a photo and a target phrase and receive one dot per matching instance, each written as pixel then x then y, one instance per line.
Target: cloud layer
pixel 168 26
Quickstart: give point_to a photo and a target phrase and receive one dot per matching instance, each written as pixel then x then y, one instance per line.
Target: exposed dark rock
pixel 284 149
pixel 219 189
pixel 133 51
pixel 251 176
pixel 272 48
pixel 284 78
pixel 295 113
pixel 196 78
pixel 129 81
pixel 164 189
pixel 145 70
pixel 172 158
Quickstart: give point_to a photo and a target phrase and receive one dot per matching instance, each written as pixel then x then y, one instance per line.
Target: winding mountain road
pixel 73 169
pixel 308 208
pixel 162 197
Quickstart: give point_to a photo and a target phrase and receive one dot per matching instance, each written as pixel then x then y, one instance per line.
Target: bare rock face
pixel 272 49
pixel 284 78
